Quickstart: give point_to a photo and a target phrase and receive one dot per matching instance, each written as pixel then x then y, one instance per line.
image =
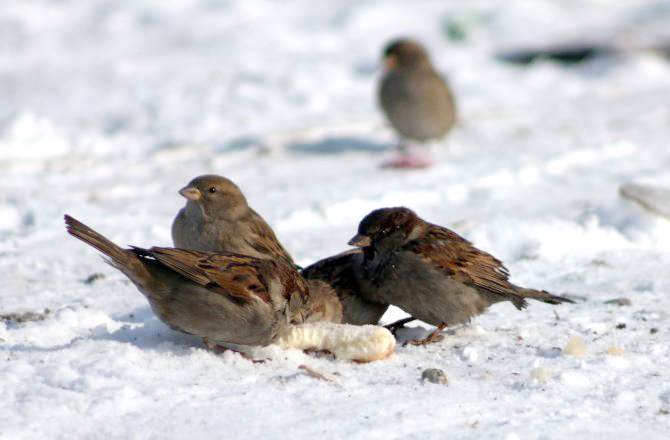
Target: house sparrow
pixel 430 272
pixel 220 297
pixel 235 299
pixel 339 274
pixel 216 218
pixel 416 100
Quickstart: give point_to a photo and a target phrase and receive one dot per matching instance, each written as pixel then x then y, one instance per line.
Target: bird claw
pixel 423 342
pixel 435 336
pixel 218 349
pixel 221 349
pixel 408 161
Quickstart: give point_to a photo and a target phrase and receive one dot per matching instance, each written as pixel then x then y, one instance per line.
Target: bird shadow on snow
pixel 624 216
pixel 139 328
pixel 405 334
pixel 335 145
pixel 322 145
pixel 147 332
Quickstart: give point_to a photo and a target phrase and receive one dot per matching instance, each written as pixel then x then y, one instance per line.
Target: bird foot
pixel 408 161
pixel 318 352
pixel 221 349
pixel 218 349
pixel 423 342
pixel 435 336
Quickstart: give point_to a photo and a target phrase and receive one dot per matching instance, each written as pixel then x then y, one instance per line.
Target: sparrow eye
pixel 211 190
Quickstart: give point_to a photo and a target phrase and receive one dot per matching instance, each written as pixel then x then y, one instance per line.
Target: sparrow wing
pixel 263 239
pixel 459 260
pixel 241 278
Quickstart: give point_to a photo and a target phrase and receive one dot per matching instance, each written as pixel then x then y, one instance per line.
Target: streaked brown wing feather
pixel 461 261
pixel 263 239
pixel 241 278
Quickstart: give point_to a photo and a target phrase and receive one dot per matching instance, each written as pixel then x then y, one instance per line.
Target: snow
pixel 109 107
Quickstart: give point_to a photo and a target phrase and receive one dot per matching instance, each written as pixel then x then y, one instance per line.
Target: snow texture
pixel 109 107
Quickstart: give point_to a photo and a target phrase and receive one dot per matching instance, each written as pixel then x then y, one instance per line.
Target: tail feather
pixel 543 295
pixel 137 264
pixel 116 255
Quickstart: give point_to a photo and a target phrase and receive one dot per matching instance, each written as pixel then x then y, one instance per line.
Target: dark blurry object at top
pixel 569 52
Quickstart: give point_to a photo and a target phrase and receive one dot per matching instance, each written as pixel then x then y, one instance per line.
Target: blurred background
pixel 140 75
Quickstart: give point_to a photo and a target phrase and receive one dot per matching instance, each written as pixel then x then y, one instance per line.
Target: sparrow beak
pixel 390 62
pixel 360 241
pixel 190 193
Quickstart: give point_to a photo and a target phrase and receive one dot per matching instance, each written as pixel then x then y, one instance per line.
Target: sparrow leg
pixel 218 349
pixel 399 324
pixel 435 336
pixel 410 156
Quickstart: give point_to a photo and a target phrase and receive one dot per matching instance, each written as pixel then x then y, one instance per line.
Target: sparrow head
pixel 384 225
pixel 404 53
pixel 216 196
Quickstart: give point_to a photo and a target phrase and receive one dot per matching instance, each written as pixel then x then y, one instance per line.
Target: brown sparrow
pixel 416 100
pixel 217 218
pixel 220 297
pixel 431 272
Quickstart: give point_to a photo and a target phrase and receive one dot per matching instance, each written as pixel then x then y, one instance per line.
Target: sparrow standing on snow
pixel 416 100
pixel 430 272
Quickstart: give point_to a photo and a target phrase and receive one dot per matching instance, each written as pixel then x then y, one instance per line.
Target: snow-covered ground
pixel 107 108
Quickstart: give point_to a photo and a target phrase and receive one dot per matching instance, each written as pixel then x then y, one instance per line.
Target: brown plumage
pixel 324 304
pixel 430 272
pixel 339 273
pixel 416 100
pixel 217 218
pixel 219 297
